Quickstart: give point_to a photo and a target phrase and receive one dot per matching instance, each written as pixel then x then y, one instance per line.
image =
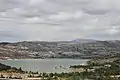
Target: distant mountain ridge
pixel 83 41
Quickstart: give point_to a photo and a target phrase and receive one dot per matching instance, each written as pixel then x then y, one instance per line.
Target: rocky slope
pixel 63 49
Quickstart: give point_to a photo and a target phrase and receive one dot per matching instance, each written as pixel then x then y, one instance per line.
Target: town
pixel 66 49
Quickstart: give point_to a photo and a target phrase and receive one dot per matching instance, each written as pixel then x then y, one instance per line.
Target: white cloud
pixel 112 31
pixel 3 14
pixel 78 14
pixel 66 16
pixel 34 20
pixel 35 2
pixel 19 11
pixel 61 16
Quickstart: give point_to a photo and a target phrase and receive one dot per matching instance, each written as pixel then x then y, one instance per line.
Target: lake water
pixel 45 65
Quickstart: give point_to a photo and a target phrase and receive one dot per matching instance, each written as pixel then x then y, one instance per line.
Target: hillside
pixel 79 41
pixel 63 49
pixel 4 67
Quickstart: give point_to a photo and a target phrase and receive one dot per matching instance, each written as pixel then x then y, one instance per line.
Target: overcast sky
pixel 53 20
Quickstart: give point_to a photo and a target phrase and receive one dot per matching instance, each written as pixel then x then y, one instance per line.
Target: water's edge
pixel 44 65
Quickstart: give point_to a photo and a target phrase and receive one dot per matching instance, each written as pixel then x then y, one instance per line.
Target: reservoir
pixel 45 65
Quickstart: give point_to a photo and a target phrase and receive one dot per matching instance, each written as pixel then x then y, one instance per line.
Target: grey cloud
pixel 9 36
pixel 59 19
pixel 105 36
pixel 6 34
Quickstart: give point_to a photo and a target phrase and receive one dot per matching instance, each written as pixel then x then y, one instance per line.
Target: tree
pixel 2 76
pixel 20 69
pixel 51 75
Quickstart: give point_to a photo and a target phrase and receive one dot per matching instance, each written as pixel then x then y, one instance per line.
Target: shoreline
pixel 46 59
